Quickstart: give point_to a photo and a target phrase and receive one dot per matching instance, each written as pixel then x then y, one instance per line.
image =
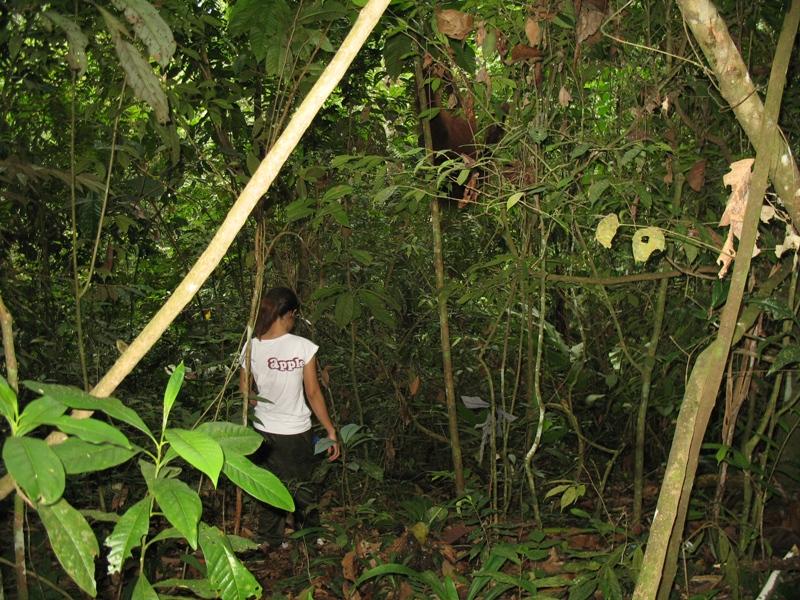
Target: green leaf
pixel 198 587
pixel 128 534
pixel 181 506
pixel 257 482
pixel 76 57
pixel 150 28
pixel 232 437
pixel 348 433
pixel 345 310
pixel 606 230
pixel 8 401
pixel 787 356
pixel 173 387
pixel 583 587
pixel 35 467
pixel 72 397
pixel 143 590
pixel 596 189
pixel 78 456
pixel 362 256
pixel 383 195
pixel 198 449
pixel 513 199
pixel 226 573
pixel 91 430
pixel 170 533
pixel 38 412
pixel 73 542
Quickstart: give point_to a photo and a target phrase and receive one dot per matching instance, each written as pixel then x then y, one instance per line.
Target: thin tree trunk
pixel 736 86
pixel 441 300
pixel 660 560
pixel 12 376
pixel 641 420
pixel 235 220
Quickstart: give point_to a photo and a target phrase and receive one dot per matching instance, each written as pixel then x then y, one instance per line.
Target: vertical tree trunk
pixel 660 560
pixel 441 301
pixel 641 419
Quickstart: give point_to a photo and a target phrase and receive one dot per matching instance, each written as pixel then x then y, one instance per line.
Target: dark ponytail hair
pixel 276 303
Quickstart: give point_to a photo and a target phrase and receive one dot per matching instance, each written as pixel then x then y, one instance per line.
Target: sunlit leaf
pixel 150 28
pixel 128 534
pixel 513 199
pixel 35 468
pixel 171 392
pixel 91 430
pixel 38 412
pixel 198 449
pixel 232 437
pixel 78 456
pixel 226 573
pixel 73 542
pixel 257 482
pixel 606 230
pixel 77 40
pixel 8 401
pixel 181 505
pixel 646 241
pixel 143 590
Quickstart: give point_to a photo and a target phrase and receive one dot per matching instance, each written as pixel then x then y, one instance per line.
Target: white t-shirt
pixel 277 368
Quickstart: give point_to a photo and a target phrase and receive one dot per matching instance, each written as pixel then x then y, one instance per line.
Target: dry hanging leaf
pixel 696 176
pixel 564 97
pixel 484 78
pixel 668 176
pixel 454 23
pixel 480 33
pixel 325 376
pixel 413 387
pixel 589 22
pixel 606 230
pixel 738 178
pixel 533 31
pixel 767 213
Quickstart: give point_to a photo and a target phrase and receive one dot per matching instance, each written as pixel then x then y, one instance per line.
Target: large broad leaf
pixel 78 456
pixel 787 356
pixel 127 534
pixel 73 542
pixel 143 590
pixel 76 57
pixel 198 449
pixel 181 505
pixel 150 28
pixel 257 482
pixel 8 401
pixel 38 412
pixel 75 398
pixel 171 393
pixel 232 437
pixel 91 430
pixel 227 574
pixel 142 79
pixel 345 309
pixel 35 467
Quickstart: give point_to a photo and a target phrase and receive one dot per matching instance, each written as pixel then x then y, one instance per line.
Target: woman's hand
pixel 333 451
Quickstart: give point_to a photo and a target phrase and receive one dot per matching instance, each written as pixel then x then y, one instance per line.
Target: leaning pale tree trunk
pixel 235 220
pixel 660 560
pixel 737 88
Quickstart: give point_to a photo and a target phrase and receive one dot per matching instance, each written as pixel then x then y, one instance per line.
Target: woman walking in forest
pixel 283 366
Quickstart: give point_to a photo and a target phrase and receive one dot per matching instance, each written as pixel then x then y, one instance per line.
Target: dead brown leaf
pixel 696 177
pixel 553 564
pixel 738 178
pixel 454 23
pixel 454 533
pixel 406 591
pixel 325 376
pixel 413 387
pixel 589 22
pixel 349 569
pixel 564 97
pixel 533 31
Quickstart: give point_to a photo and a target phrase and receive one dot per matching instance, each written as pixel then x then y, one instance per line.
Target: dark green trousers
pixel 291 458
